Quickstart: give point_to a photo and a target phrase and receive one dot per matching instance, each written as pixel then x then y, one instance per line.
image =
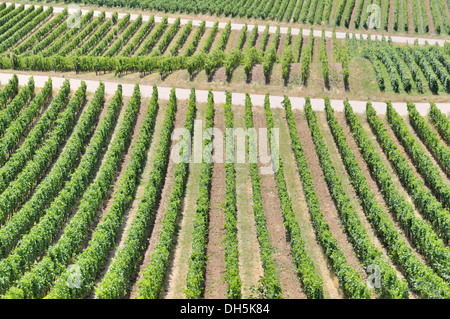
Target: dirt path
pixel 327 205
pixel 300 207
pixel 219 96
pixel 215 285
pixel 391 15
pixel 250 266
pixel 290 285
pixel 431 26
pixel 410 15
pixel 178 266
pixel 156 226
pixel 353 16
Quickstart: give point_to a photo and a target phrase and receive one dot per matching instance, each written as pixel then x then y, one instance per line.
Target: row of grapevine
pixel 323 56
pixel 18 162
pixel 149 43
pixel 116 281
pixel 420 159
pixel 9 91
pixel 167 38
pixel 430 207
pixel 306 58
pixel 92 258
pixel 81 36
pixel 9 114
pixel 23 28
pixel 36 282
pixel 24 218
pixel 14 20
pixel 47 40
pixel 18 127
pixel 271 281
pixel 36 134
pixel 234 283
pixel 94 38
pixel 225 35
pixel 413 68
pixel 287 57
pixel 126 36
pixel 33 244
pixel 138 38
pixel 154 274
pixel 9 12
pixel 440 121
pixel 377 66
pixel 304 266
pixel 182 38
pixel 67 36
pixel 271 56
pixel 349 279
pixel 242 37
pixel 391 287
pixel 422 280
pixel 211 36
pixel 197 262
pixel 419 231
pixel 192 46
pixel 41 33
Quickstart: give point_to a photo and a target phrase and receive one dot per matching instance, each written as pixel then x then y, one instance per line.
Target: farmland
pixel 160 153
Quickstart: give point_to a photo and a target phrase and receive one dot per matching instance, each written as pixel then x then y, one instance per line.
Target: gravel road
pixel 219 96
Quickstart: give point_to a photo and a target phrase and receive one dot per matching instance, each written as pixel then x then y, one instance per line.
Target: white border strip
pixel 219 96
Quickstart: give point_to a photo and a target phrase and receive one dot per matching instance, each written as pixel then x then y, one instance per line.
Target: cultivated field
pixel 141 168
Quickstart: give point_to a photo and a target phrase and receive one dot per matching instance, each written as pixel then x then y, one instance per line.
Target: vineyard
pixel 240 153
pixel 416 16
pixel 35 39
pixel 101 201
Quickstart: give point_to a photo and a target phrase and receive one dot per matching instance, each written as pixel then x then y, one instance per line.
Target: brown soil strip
pixel 327 205
pixel 178 266
pixel 215 285
pixel 391 15
pixel 411 16
pixel 290 285
pixel 281 44
pixel 300 207
pixel 342 173
pixel 431 27
pixel 155 228
pixel 353 16
pixel 250 267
